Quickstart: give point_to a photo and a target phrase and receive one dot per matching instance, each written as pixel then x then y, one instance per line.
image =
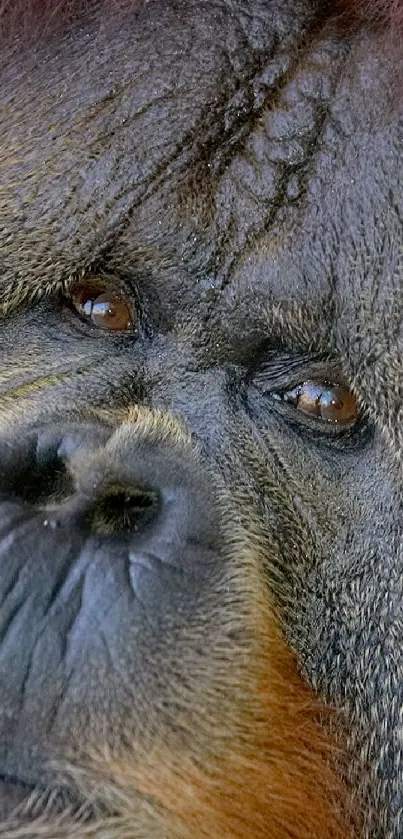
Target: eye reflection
pixel 331 403
pixel 107 309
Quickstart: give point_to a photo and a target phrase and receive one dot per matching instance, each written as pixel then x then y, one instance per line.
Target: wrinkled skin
pixel 236 170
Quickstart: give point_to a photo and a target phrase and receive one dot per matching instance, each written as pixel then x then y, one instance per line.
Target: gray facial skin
pixel 235 170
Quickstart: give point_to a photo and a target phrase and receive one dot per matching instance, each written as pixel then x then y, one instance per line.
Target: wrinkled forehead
pixel 249 150
pixel 154 71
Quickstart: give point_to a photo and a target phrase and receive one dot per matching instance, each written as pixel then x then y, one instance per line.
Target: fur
pixel 278 780
pixel 20 16
pixel 387 14
pixel 272 772
pixel 279 785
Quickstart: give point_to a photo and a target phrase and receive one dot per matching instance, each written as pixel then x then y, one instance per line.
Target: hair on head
pixel 387 15
pixel 30 19
pixel 27 18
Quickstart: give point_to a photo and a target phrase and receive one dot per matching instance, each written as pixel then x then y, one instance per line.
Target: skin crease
pixel 183 555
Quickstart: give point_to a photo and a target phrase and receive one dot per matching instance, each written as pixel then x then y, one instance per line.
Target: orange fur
pixel 279 783
pixel 270 773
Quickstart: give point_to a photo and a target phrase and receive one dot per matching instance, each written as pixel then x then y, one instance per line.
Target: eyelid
pixel 287 371
pixel 100 278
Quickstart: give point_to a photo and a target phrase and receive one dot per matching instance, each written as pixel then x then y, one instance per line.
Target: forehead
pixel 199 145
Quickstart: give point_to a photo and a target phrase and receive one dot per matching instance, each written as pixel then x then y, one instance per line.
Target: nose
pixel 106 533
pixel 64 468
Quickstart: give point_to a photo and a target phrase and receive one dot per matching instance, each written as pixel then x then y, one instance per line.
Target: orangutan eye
pixel 106 308
pixel 332 403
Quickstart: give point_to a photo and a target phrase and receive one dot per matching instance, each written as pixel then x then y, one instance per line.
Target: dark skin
pixel 200 424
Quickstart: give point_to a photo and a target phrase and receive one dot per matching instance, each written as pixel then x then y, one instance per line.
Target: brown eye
pixel 332 403
pixel 106 308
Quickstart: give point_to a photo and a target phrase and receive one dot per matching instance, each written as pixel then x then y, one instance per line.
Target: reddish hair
pixel 386 14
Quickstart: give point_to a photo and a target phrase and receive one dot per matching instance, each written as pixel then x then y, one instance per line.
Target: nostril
pixel 53 484
pixel 124 508
pixel 38 469
pixel 71 464
pixel 43 482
